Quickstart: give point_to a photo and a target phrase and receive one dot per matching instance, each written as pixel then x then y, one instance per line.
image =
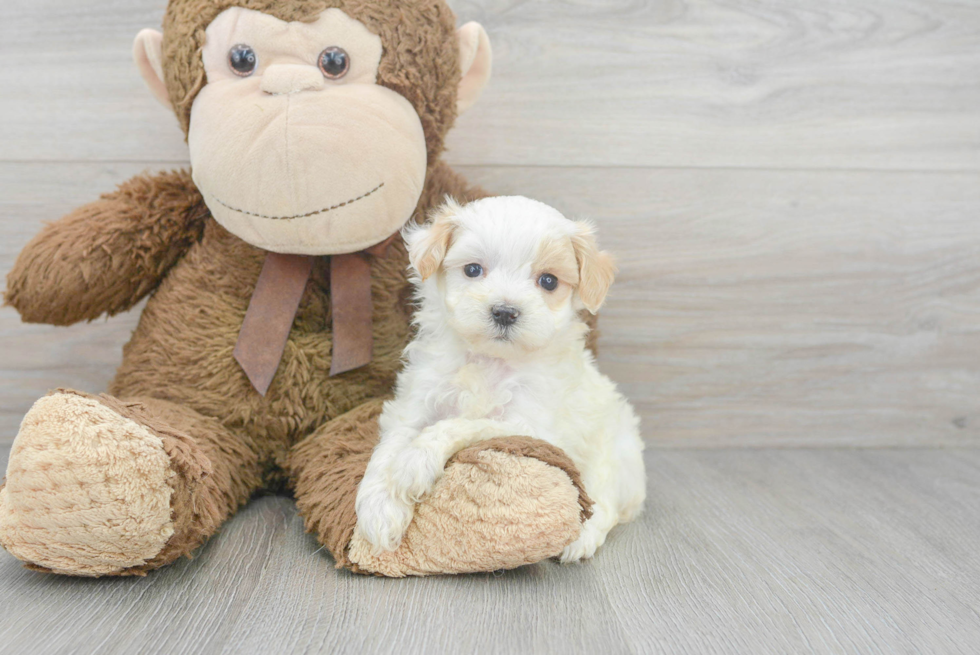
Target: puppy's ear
pixel 596 269
pixel 428 244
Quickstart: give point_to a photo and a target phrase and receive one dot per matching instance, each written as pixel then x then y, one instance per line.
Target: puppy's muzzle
pixel 505 315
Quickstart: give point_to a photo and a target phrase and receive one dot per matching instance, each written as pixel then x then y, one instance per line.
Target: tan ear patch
pixel 428 250
pixel 596 268
pixel 557 256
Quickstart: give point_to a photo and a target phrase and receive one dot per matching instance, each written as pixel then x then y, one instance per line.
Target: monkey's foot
pixel 88 491
pixel 501 504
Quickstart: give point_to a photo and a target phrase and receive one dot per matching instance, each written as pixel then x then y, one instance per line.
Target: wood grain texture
pixel 753 307
pixel 738 551
pixel 883 84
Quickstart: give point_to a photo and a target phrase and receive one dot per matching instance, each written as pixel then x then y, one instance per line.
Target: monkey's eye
pixel 242 60
pixel 473 270
pixel 334 63
pixel 548 282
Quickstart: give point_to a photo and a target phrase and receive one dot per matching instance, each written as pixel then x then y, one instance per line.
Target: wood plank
pixel 739 551
pixel 799 551
pixel 877 84
pixel 471 614
pixel 753 307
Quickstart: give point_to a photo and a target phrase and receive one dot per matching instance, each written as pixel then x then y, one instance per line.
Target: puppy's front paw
pixel 584 547
pixel 382 519
pixel 414 474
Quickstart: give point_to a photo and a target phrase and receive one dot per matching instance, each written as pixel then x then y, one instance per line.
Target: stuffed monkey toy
pixel 278 305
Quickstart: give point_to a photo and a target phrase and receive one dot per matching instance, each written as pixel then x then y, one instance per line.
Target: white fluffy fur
pixel 467 379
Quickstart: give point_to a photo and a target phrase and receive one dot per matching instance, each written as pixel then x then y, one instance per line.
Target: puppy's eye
pixel 473 270
pixel 548 282
pixel 242 60
pixel 334 63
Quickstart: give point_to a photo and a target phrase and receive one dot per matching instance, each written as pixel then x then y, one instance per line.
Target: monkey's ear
pixel 596 268
pixel 148 55
pixel 429 243
pixel 475 61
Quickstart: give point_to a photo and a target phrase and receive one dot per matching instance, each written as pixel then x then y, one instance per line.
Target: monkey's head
pixel 312 123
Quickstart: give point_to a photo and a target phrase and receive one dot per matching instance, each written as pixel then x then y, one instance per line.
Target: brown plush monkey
pixel 315 129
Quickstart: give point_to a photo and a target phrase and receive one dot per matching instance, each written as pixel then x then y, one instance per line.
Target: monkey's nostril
pixel 505 315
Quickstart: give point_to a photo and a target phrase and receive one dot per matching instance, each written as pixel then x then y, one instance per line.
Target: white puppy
pixel 500 351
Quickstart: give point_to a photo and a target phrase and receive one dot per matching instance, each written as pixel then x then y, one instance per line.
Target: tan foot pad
pixel 87 490
pixel 491 510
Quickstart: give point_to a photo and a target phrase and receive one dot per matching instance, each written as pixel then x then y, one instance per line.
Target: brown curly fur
pixel 73 272
pixel 155 236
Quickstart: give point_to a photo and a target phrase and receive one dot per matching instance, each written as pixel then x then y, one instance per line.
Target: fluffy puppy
pixel 500 351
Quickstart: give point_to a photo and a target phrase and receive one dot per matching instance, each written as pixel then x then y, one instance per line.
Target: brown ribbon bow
pixel 275 301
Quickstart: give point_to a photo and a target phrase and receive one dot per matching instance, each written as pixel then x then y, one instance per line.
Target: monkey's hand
pixel 104 257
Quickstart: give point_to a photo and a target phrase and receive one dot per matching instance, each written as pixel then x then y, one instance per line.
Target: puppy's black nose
pixel 505 315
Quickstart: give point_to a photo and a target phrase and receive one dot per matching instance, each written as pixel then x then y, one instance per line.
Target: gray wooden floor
pixel 740 551
pixel 793 191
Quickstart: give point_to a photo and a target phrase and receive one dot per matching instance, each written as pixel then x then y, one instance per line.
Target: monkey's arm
pixel 105 256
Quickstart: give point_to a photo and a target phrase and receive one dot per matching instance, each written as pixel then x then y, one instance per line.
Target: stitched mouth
pixel 306 215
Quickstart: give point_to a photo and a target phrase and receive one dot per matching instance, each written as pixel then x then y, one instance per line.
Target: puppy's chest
pixel 487 390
